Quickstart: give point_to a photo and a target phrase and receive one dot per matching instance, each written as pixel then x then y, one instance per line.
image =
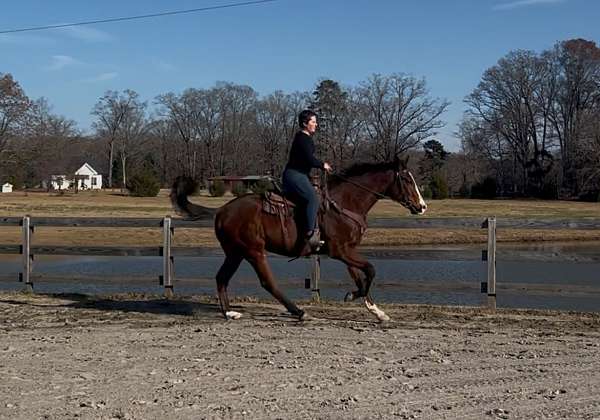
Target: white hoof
pixel 233 315
pixel 374 309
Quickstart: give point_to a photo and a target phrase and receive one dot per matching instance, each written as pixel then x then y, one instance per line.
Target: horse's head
pixel 404 189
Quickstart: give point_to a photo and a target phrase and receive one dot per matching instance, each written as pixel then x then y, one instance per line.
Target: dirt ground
pixel 139 357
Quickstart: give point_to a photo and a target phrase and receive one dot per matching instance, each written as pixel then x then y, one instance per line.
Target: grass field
pixel 114 204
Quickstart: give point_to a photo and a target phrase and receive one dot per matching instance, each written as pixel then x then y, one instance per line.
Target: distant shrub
pixel 485 189
pixel 217 188
pixel 426 193
pixel 239 189
pixel 464 191
pixel 590 196
pixel 438 187
pixel 549 190
pixel 261 187
pixel 144 184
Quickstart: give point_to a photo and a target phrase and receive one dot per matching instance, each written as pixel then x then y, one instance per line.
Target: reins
pixel 377 194
pixel 343 178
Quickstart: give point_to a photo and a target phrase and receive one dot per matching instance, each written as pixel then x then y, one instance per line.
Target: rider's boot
pixel 312 243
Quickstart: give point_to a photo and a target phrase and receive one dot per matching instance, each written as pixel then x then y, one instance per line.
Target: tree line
pixel 533 122
pixel 531 128
pixel 223 130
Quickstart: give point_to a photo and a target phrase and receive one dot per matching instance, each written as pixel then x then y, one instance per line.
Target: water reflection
pixel 548 283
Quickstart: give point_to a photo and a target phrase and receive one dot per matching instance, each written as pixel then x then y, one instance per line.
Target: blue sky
pixel 284 45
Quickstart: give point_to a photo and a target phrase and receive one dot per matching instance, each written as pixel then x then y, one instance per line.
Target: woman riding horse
pixel 296 181
pixel 246 232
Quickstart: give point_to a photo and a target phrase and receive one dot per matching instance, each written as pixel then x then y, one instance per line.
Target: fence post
pixel 167 276
pixel 491 260
pixel 25 275
pixel 315 277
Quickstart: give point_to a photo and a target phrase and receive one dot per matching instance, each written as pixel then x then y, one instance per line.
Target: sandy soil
pixel 133 357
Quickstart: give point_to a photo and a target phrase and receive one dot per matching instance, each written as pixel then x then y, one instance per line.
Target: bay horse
pixel 246 231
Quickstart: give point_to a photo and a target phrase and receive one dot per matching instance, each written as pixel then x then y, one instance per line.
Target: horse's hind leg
pixel 227 270
pixel 258 260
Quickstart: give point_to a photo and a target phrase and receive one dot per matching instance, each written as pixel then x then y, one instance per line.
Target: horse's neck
pixel 352 197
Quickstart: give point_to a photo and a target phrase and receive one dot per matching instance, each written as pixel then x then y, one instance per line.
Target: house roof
pixel 86 169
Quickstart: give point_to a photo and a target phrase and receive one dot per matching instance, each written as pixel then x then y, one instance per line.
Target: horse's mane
pixel 359 168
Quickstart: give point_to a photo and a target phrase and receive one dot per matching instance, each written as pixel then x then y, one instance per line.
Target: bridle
pixel 376 193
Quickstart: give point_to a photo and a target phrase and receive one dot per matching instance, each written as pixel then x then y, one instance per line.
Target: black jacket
pixel 302 154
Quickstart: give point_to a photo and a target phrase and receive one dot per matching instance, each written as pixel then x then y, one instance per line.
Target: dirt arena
pixel 136 357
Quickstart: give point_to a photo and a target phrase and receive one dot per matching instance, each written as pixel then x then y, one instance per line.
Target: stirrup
pixel 315 241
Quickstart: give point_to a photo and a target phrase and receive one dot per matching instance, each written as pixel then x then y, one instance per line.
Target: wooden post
pixel 167 277
pixel 491 260
pixel 315 274
pixel 315 277
pixel 26 254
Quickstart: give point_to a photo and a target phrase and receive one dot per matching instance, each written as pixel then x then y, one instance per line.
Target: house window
pixel 94 181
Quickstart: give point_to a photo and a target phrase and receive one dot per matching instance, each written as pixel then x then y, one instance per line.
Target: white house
pixel 86 177
pixel 6 188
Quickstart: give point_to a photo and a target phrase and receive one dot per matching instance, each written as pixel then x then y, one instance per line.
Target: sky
pixel 280 45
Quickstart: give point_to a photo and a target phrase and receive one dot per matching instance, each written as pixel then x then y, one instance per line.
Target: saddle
pixel 277 205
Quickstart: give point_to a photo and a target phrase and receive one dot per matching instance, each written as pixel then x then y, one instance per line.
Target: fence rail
pixel 375 222
pixel 168 252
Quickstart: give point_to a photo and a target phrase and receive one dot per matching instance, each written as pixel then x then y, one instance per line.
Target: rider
pixel 296 182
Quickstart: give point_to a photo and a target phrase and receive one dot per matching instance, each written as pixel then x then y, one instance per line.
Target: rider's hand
pixel 327 167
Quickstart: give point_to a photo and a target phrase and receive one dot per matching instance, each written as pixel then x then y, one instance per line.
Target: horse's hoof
pixel 304 317
pixel 349 297
pixel 374 309
pixel 384 318
pixel 232 315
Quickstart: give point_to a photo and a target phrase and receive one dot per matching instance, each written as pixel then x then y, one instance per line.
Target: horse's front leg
pixel 357 264
pixel 357 276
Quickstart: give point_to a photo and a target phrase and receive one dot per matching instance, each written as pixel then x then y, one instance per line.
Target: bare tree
pixel 589 174
pixel 340 121
pixel 510 100
pixel 46 140
pixel 132 133
pixel 14 106
pixel 576 65
pixel 398 112
pixel 276 122
pixel 165 135
pixel 237 105
pixel 110 111
pixel 193 117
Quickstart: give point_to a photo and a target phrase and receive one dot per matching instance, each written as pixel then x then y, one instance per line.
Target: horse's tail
pixel 182 188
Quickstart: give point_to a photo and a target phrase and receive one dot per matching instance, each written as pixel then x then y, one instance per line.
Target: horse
pixel 246 231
